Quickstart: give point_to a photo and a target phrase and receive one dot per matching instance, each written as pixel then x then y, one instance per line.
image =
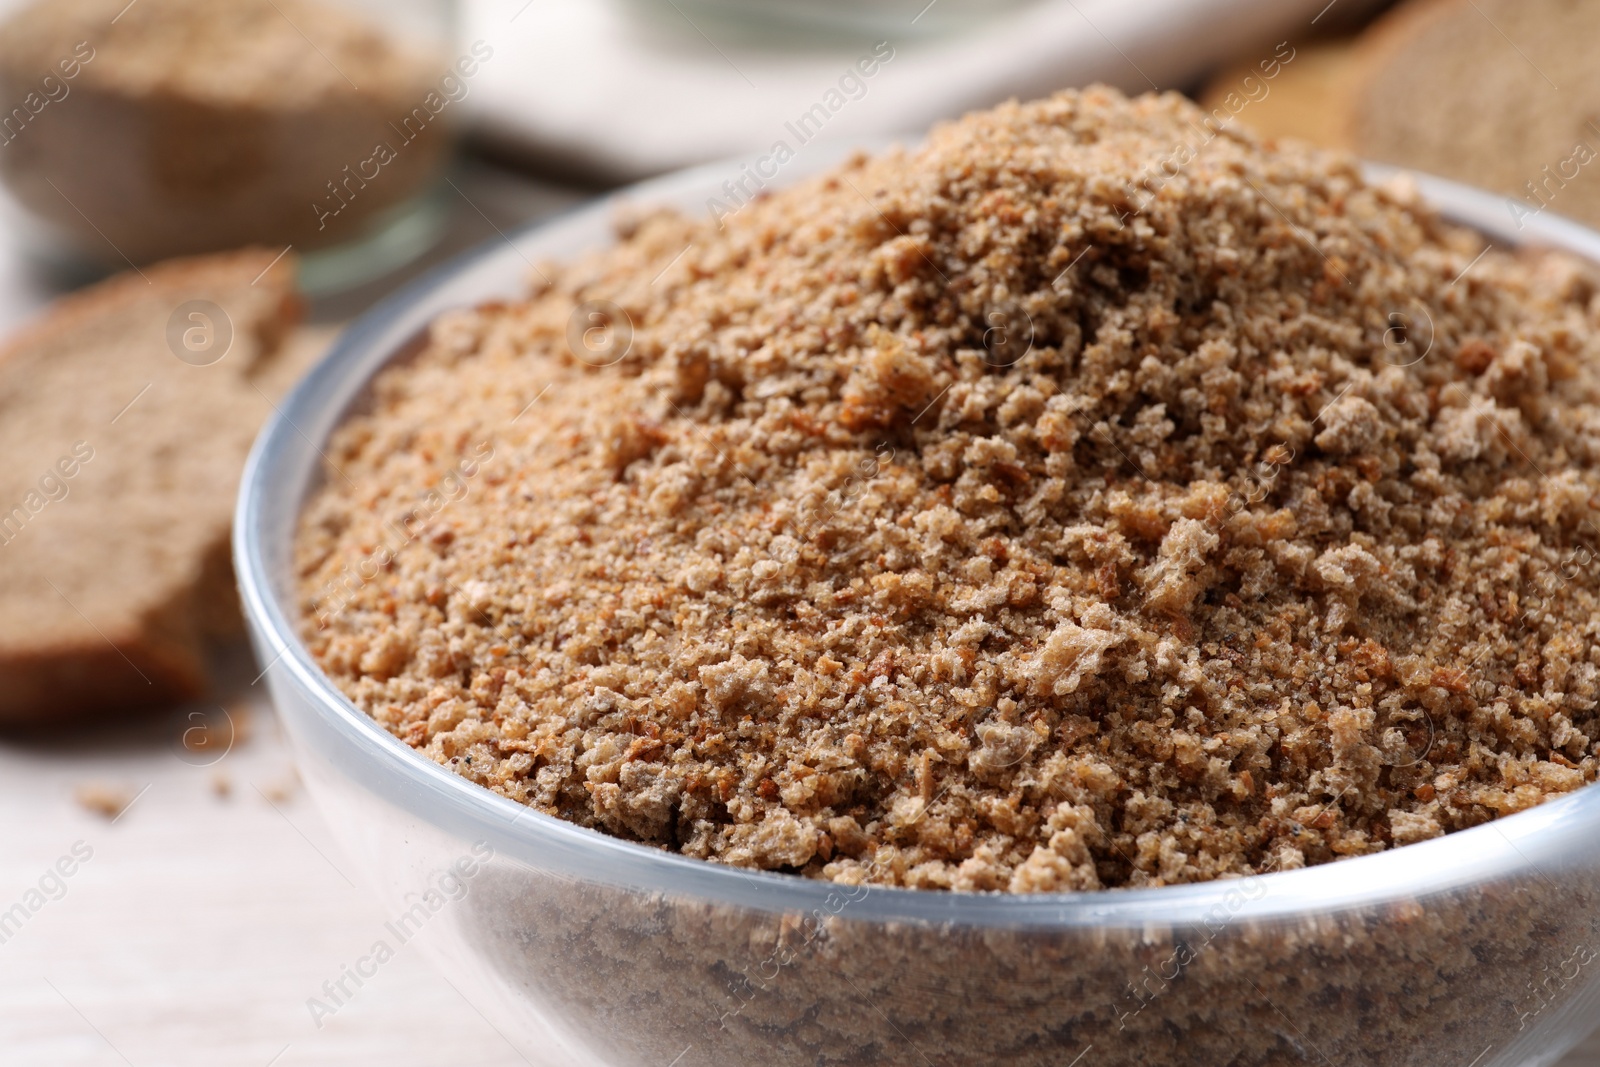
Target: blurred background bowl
pixel 180 127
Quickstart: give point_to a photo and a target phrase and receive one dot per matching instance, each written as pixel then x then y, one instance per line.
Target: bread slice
pixel 1307 99
pixel 121 463
pixel 1501 94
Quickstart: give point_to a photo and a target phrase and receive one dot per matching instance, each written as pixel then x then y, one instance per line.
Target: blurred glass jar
pixel 139 131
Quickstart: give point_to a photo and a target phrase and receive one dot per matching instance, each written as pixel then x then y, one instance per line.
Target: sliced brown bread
pixel 1501 94
pixel 119 463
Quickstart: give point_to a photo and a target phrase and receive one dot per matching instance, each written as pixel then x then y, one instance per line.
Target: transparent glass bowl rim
pixel 284 464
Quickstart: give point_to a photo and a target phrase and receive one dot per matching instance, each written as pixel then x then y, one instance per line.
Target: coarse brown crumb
pixel 105 800
pixel 283 790
pixel 1085 499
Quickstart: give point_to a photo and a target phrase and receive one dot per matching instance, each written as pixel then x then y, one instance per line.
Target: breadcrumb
pixel 104 800
pixel 1223 573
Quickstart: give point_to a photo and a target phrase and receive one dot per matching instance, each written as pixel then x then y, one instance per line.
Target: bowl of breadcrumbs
pixel 1095 587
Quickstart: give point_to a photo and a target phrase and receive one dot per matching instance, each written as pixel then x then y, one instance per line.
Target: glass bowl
pixel 178 127
pixel 1478 948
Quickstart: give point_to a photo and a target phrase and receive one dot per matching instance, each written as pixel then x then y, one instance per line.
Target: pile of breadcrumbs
pixel 1085 499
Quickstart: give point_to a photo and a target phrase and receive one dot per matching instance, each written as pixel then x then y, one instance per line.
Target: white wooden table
pixel 201 924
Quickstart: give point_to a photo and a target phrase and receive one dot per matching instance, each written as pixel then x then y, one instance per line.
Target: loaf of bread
pixel 126 413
